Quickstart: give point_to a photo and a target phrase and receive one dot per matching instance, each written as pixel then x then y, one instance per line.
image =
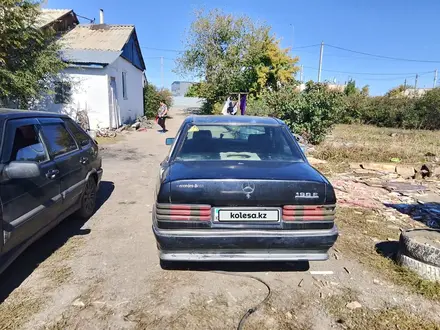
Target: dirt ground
pixel 105 273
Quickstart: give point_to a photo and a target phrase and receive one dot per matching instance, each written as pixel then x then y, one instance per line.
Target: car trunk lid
pixel 246 184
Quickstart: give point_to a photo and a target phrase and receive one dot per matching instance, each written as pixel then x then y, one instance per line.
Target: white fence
pixel 187 102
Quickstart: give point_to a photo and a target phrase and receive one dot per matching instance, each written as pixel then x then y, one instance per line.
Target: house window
pixel 124 85
pixel 63 92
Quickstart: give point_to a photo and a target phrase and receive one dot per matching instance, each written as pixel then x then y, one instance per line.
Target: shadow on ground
pixel 427 213
pixel 27 262
pixel 238 266
pixel 388 249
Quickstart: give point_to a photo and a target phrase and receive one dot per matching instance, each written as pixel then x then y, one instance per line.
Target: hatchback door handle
pixel 52 174
pixel 83 160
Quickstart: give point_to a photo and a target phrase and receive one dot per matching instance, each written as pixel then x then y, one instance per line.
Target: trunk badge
pixel 248 188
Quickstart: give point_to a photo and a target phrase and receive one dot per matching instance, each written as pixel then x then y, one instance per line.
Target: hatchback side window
pixel 80 136
pixel 59 140
pixel 27 145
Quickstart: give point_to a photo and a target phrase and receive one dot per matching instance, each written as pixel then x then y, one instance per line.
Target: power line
pixel 308 46
pixel 181 51
pixel 372 73
pixel 382 56
pixel 163 50
pixel 342 56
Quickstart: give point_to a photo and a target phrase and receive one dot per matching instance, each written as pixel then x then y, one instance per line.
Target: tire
pixel 420 244
pixel 425 271
pixel 88 200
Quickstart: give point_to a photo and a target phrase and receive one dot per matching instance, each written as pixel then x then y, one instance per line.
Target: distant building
pixel 180 88
pixel 412 92
pixel 336 87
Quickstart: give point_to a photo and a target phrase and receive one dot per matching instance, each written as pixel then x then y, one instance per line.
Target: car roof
pixel 14 114
pixel 232 120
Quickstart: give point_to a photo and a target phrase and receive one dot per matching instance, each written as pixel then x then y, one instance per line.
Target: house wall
pixel 133 106
pixel 89 92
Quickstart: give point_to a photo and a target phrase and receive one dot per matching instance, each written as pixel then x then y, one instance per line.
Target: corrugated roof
pixel 84 56
pixel 98 37
pixel 48 16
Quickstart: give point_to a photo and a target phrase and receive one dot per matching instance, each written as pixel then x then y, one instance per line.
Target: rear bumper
pixel 244 245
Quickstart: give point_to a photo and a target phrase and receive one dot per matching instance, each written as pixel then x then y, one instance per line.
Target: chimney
pixel 101 16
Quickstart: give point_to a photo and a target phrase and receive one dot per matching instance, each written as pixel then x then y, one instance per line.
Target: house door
pixel 115 118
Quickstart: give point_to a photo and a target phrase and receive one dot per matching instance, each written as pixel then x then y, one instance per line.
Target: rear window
pixel 237 143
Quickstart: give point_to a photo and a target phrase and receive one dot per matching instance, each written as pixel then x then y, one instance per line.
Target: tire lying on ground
pixel 422 245
pixel 425 271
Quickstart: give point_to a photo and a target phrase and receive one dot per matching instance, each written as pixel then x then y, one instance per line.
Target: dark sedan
pixel 239 188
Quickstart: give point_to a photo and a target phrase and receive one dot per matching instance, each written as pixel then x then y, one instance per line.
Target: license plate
pixel 246 215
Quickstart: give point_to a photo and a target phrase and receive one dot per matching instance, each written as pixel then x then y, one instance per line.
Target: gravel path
pixel 105 274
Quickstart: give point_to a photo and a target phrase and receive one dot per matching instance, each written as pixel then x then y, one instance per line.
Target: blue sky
pixel 395 28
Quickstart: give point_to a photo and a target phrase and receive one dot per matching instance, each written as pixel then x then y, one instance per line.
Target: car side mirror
pixel 21 170
pixel 169 141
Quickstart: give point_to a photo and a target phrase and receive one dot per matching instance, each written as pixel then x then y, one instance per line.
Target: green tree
pixel 152 98
pixel 231 54
pixel 29 58
pixel 194 90
pixel 350 88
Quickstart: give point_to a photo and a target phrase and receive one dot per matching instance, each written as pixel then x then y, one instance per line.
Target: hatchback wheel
pixel 88 199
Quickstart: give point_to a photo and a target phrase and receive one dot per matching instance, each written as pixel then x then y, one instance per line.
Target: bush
pixel 310 113
pixel 353 108
pixel 394 110
pixel 427 112
pixel 152 98
pixel 384 111
pixel 257 107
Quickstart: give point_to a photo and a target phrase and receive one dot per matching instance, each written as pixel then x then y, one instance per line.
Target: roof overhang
pixel 89 58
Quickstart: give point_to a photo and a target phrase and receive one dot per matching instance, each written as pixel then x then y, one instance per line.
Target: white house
pixel 105 75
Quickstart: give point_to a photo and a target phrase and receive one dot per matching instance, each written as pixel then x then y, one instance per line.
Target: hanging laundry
pixel 225 106
pixel 243 104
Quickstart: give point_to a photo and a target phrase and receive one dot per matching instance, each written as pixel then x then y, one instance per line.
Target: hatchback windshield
pixel 243 143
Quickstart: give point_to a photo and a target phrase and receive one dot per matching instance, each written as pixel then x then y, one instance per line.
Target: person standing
pixel 161 115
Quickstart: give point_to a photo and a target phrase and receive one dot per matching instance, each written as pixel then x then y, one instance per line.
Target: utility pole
pixel 404 84
pixel 435 78
pixel 417 79
pixel 320 61
pixel 161 70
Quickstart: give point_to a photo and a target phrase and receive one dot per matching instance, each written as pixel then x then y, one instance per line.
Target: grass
pixel 360 143
pixel 369 319
pixel 360 229
pixel 109 140
pixel 19 308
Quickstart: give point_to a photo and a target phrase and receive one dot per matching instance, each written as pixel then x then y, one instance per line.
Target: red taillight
pixel 183 212
pixel 309 212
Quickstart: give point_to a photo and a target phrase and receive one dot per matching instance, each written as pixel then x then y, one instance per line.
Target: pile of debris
pixel 424 171
pixel 389 188
pixel 141 124
pixel 106 132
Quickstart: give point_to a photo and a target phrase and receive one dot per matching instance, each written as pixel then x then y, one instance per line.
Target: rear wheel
pixel 88 199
